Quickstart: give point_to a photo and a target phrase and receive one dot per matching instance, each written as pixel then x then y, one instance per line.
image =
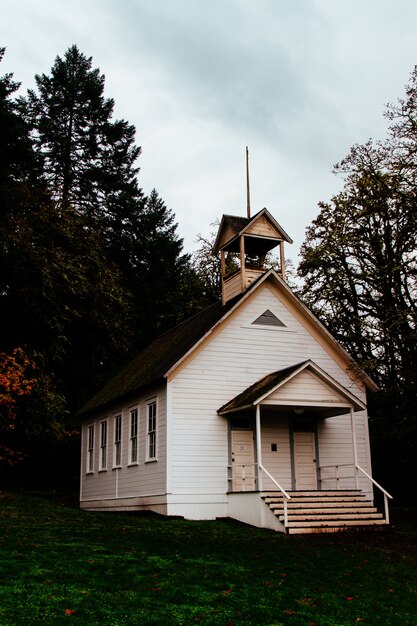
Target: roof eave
pixel 244 297
pixel 278 227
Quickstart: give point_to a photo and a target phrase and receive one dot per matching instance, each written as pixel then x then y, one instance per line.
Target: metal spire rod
pixel 247 182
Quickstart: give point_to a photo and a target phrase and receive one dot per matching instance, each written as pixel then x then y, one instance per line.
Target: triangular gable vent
pixel 268 319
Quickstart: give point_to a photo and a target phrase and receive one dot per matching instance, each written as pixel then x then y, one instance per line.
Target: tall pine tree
pixel 90 165
pixel 89 159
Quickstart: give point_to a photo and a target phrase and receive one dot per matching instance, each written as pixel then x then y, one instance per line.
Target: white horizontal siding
pixel 235 356
pixel 336 448
pixel 143 479
pixel 305 387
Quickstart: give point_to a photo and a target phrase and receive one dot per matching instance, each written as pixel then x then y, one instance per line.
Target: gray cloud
pixel 300 82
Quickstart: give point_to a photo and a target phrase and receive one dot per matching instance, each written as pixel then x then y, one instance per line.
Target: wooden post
pixel 282 259
pixel 355 451
pixel 258 445
pixel 242 262
pixel 222 272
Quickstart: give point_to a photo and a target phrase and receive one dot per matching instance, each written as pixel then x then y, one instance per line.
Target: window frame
pixel 152 430
pixel 90 449
pixel 133 435
pixel 104 435
pixel 117 439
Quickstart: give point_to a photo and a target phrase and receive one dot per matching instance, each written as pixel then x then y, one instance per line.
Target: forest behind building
pixel 92 268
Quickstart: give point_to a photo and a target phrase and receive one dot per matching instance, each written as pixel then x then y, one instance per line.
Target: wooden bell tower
pixel 243 243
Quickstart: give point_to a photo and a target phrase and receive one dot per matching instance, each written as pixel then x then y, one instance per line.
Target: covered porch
pixel 293 440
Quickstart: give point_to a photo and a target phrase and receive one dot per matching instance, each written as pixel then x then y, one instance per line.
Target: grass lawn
pixel 60 566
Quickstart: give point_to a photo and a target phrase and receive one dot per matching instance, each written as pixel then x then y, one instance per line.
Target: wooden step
pixel 324 511
pixel 314 494
pixel 307 519
pixel 359 504
pixel 327 511
pixel 355 522
pixel 336 529
pixel 356 497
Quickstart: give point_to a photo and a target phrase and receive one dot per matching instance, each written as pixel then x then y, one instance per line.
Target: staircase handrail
pixel 282 490
pixel 386 494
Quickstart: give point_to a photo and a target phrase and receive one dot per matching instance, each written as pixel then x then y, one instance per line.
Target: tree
pixel 91 269
pixel 359 265
pixel 159 274
pixel 89 159
pixel 90 165
pixel 207 265
pixel 60 295
pixel 15 382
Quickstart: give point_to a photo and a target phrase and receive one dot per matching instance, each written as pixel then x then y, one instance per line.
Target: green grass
pixel 59 565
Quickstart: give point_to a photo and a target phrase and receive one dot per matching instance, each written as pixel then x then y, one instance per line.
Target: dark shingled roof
pixel 258 389
pixel 237 223
pixel 158 357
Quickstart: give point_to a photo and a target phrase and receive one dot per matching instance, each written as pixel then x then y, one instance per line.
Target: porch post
pixel 258 445
pixel 242 262
pixel 355 451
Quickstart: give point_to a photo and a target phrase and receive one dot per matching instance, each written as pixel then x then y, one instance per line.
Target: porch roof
pixel 271 383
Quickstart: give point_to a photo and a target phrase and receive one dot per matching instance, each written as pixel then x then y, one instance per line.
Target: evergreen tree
pixel 89 159
pixel 62 300
pixel 90 165
pixel 91 269
pixel 159 274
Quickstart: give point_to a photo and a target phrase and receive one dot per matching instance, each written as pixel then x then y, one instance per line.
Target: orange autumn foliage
pixel 15 381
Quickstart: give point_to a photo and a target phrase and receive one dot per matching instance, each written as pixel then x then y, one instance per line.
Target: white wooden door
pixel 243 460
pixel 305 460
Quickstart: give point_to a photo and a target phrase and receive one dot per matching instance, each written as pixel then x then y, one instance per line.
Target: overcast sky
pixel 298 81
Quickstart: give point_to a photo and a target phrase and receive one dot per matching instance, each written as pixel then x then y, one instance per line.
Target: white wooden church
pixel 249 410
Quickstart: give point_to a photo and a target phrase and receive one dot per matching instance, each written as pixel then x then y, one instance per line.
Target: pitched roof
pixel 265 386
pixel 240 225
pixel 257 390
pixel 158 357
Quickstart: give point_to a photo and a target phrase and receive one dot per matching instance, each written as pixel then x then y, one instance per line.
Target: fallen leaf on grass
pixel 227 592
pixel 290 612
pixel 156 589
pixel 70 611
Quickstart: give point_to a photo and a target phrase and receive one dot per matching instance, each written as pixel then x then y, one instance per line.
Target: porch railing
pixel 386 494
pixel 356 469
pixel 252 475
pixel 286 496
